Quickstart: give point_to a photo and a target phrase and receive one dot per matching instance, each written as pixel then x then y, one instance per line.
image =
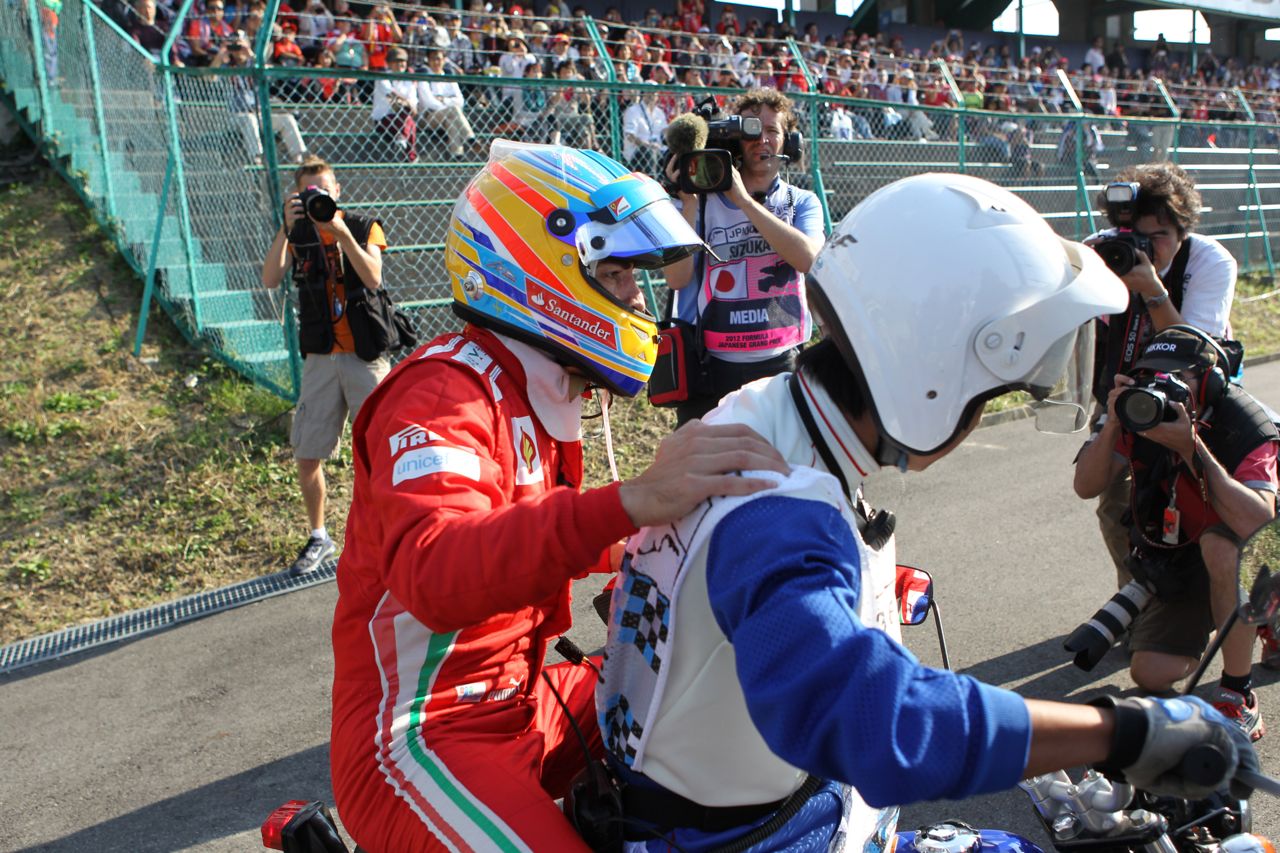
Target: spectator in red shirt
pixel 689 15
pixel 285 51
pixel 381 31
pixel 728 23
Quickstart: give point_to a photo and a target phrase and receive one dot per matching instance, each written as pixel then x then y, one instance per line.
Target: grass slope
pixel 123 480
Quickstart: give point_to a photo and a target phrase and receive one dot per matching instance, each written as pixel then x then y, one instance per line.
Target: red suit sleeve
pixel 453 548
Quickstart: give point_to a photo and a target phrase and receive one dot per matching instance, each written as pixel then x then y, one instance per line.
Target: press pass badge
pixel 1172 524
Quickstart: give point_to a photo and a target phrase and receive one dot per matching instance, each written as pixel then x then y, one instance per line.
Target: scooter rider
pixel 467 526
pixel 753 642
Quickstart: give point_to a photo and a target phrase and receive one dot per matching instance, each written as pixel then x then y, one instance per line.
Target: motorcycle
pixel 1094 814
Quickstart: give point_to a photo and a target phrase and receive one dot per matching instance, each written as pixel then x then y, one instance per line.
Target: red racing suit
pixel 466 528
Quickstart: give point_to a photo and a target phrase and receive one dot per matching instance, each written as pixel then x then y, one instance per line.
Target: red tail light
pixel 273 827
pixel 302 827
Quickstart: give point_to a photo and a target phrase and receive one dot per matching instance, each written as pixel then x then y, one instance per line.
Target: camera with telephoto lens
pixel 319 205
pixel 1092 640
pixel 1119 249
pixel 1141 407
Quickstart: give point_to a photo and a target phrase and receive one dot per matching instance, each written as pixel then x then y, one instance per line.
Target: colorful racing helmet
pixel 524 242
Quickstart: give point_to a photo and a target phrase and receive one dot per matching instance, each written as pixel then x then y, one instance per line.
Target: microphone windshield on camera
pixel 687 132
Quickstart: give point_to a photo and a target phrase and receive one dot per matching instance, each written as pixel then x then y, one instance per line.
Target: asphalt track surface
pixel 185 740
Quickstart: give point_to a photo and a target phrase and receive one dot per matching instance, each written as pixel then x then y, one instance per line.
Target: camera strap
pixel 1174 279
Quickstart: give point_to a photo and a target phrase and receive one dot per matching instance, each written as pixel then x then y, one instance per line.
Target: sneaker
pixel 312 555
pixel 1234 707
pixel 1270 646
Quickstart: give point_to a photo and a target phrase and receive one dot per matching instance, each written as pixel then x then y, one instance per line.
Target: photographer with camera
pixel 1173 275
pixel 332 252
pixel 1202 454
pixel 746 297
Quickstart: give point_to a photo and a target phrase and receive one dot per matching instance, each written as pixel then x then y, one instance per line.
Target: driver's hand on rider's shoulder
pixel 694 463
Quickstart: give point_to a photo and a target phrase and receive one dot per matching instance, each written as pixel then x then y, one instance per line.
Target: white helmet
pixel 944 291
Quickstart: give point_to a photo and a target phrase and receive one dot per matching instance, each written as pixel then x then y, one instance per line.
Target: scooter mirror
pixel 1259 575
pixel 914 588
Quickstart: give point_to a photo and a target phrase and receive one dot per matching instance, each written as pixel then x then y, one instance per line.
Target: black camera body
pixel 1119 250
pixel 727 132
pixel 1141 407
pixel 319 205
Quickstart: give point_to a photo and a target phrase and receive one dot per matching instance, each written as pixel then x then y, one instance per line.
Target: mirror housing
pixel 914 590
pixel 1258 575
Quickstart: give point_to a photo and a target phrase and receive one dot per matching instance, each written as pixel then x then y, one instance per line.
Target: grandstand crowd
pixel 691 46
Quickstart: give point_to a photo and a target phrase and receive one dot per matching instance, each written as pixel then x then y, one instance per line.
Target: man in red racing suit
pixel 454 577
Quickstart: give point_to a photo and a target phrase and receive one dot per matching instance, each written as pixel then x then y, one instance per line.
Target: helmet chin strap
pixel 605 397
pixel 889 454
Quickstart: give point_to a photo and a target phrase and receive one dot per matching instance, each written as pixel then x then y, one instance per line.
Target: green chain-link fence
pixel 187 166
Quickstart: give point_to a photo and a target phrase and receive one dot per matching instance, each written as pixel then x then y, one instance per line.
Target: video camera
pixel 1141 407
pixel 1119 250
pixel 707 144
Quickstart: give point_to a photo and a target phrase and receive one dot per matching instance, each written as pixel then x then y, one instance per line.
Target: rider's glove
pixel 1176 747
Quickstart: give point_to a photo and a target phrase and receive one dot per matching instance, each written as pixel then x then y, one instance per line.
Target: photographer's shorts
pixel 1181 627
pixel 334 385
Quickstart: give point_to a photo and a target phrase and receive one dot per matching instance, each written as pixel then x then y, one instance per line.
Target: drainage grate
pixel 138 622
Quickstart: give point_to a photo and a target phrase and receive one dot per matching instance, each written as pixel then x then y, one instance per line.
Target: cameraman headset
pixel 748 300
pixel 1204 479
pixel 1190 279
pixel 327 257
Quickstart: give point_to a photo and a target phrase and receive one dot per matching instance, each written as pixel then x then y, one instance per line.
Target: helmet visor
pixel 636 219
pixel 1062 383
pixel 654 237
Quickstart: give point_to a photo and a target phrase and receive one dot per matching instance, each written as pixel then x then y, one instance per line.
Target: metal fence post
pixel 958 97
pixel 1253 189
pixel 149 287
pixel 615 122
pixel 99 116
pixel 175 151
pixel 265 128
pixel 42 79
pixel 815 125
